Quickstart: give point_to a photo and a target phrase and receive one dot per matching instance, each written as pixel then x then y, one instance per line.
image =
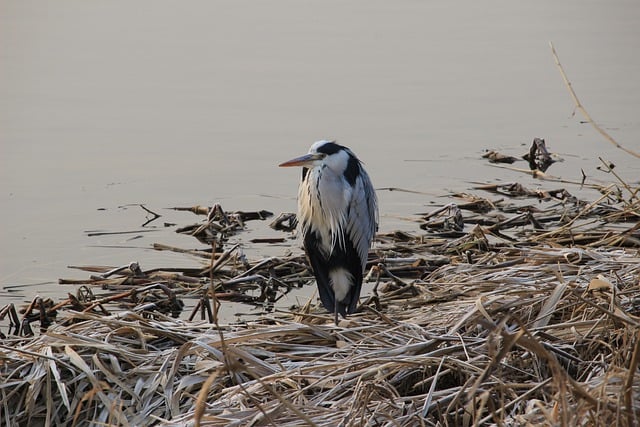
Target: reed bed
pixel 498 312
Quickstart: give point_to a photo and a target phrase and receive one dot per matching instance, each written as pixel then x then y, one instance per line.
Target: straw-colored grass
pixel 553 340
pixel 515 316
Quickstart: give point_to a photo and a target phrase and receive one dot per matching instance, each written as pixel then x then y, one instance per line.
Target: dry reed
pixel 524 316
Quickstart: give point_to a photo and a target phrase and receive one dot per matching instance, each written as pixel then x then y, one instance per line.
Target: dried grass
pixel 514 316
pixel 552 340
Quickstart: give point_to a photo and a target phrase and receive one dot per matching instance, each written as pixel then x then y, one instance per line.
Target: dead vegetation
pixel 517 309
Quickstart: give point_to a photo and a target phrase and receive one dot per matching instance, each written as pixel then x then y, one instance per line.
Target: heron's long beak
pixel 305 160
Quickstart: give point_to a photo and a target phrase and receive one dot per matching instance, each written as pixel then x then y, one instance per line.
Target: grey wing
pixel 362 222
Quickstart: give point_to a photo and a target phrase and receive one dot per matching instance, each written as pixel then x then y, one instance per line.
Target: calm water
pixel 108 104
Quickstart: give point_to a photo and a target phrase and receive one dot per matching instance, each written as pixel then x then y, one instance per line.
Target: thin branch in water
pixel 546 177
pixel 154 215
pixel 584 111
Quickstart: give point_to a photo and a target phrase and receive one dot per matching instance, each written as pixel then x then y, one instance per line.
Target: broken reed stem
pixel 611 171
pixel 155 215
pixel 212 288
pixel 628 386
pixel 202 395
pixel 546 177
pixel 584 112
pixel 201 401
pixel 570 223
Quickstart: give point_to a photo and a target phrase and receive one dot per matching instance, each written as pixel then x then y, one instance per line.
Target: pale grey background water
pixel 166 103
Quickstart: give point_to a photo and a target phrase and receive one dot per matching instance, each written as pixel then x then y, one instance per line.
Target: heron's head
pixel 324 153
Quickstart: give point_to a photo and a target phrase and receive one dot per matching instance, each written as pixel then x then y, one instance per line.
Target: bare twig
pixel 584 111
pixel 609 168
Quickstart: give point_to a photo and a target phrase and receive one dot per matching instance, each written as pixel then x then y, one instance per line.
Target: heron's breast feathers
pixel 323 208
pixel 337 211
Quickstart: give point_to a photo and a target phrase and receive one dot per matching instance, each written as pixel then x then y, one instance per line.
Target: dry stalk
pixel 578 105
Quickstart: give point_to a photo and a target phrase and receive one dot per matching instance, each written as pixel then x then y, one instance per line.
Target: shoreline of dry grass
pixel 503 312
pixel 552 340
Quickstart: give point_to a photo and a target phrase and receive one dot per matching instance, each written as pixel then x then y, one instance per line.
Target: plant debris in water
pixel 516 306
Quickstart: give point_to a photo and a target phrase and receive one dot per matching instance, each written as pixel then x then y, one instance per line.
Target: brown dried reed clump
pixel 508 314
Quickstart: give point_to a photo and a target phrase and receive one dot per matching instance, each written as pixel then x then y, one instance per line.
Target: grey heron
pixel 338 217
